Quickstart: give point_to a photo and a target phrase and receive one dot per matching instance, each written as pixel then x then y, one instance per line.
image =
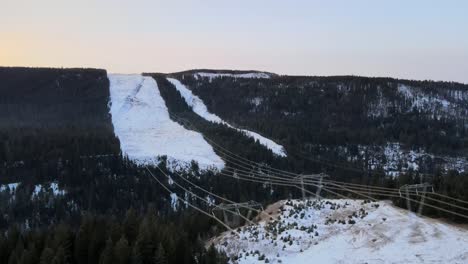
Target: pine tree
pixel 26 257
pixel 82 241
pixel 60 256
pixel 130 225
pixel 160 256
pixel 135 257
pixel 211 256
pixel 145 241
pixel 3 247
pixel 63 238
pixel 17 252
pixel 107 254
pixel 122 251
pixel 46 256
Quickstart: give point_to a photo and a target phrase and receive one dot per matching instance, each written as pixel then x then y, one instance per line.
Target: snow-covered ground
pixel 345 231
pixel 200 109
pixel 254 75
pixel 421 101
pixel 10 186
pixel 438 103
pixel 174 201
pixel 38 188
pixel 142 124
pixel 394 159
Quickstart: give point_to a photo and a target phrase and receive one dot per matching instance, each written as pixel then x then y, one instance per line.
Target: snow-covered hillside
pixel 142 124
pixel 436 103
pixel 200 109
pixel 345 231
pixel 394 158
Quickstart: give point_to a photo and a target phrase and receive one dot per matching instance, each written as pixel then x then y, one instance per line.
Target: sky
pixel 395 38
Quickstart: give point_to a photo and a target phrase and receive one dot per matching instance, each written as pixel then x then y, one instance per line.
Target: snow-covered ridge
pixel 200 109
pixel 142 124
pixel 345 231
pixel 250 75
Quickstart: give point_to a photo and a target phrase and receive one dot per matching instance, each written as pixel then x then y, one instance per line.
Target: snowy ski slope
pixel 345 231
pixel 200 109
pixel 142 124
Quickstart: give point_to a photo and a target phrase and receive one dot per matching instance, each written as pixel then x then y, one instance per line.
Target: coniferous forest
pixel 68 194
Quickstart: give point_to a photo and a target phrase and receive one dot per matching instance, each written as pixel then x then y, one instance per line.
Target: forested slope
pixel 51 114
pixel 60 161
pixel 345 118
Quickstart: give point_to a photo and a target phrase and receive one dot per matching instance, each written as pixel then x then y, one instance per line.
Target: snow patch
pixel 421 101
pixel 38 188
pixel 211 200
pixel 250 75
pixel 174 201
pixel 256 101
pixel 394 159
pixel 10 186
pixel 142 124
pixel 200 109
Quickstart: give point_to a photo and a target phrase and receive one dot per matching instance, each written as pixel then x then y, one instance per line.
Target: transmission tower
pixel 225 208
pixel 416 187
pixel 318 177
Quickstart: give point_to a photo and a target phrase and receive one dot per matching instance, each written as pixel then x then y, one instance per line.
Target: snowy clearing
pixel 200 109
pixel 345 231
pixel 142 124
pixel 250 75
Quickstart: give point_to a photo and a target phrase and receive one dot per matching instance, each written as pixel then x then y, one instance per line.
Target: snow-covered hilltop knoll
pixel 211 75
pixel 142 124
pixel 344 231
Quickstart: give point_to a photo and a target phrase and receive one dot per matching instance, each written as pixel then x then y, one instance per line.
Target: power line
pixel 243 205
pixel 242 160
pixel 200 198
pixel 338 187
pixel 367 187
pixel 193 206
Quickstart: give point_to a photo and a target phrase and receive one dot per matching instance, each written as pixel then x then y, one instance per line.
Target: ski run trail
pixel 197 105
pixel 142 124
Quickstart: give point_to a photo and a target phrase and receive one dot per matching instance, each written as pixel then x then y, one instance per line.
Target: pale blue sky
pixel 405 39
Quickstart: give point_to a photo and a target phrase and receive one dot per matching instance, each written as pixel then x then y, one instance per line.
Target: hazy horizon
pixel 422 40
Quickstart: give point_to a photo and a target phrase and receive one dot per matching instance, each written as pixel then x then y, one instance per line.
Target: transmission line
pixel 193 206
pixel 271 178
